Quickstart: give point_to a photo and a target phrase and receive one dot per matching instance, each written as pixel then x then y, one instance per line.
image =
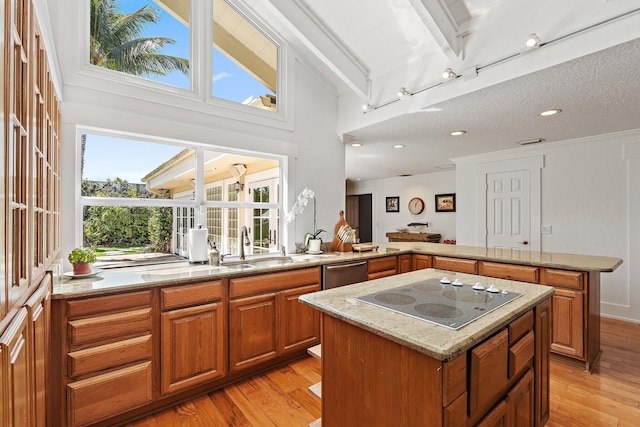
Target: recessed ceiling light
pixel 358 179
pixel 550 112
pixel 356 144
pixel 458 132
pixel 398 146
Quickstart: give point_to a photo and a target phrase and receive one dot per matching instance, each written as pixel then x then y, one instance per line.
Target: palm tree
pixel 116 44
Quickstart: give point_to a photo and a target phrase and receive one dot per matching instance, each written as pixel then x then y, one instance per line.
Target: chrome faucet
pixel 244 241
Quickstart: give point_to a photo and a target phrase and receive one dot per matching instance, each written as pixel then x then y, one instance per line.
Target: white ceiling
pixel 380 45
pixel 598 94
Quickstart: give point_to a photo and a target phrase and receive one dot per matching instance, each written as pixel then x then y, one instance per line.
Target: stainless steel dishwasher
pixel 345 273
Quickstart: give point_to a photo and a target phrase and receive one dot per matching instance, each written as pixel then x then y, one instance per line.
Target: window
pixel 154 40
pixel 140 38
pixel 245 60
pixel 140 198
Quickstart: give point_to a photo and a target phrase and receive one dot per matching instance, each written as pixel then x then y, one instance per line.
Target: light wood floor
pixel 608 397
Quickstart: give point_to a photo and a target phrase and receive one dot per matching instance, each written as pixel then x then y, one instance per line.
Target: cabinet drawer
pixel 109 327
pixel 455 264
pixel 377 265
pixel 454 379
pixel 107 356
pixel 521 273
pixel 519 327
pixel 120 302
pixel 184 296
pixel 104 396
pixel 520 354
pixel 488 375
pixel 564 278
pixel 273 282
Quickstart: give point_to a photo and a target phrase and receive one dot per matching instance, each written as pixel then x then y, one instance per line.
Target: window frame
pixel 198 203
pixel 201 72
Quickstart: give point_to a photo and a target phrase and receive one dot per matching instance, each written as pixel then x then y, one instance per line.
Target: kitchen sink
pixel 259 262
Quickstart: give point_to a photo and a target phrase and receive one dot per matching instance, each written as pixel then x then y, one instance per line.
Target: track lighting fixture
pixel 403 93
pixel 448 74
pixel 533 41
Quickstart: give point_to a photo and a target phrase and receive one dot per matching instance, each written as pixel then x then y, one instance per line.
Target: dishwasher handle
pixel 341 266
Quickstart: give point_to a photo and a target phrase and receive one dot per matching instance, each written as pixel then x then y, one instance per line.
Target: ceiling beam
pixel 319 40
pixel 439 21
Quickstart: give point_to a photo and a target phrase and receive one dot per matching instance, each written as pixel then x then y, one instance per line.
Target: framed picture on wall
pixel 393 204
pixel 446 202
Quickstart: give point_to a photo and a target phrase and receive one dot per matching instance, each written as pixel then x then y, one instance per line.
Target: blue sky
pixel 104 156
pixel 107 157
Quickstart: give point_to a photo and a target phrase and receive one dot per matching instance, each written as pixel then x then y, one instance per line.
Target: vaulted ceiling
pixel 588 65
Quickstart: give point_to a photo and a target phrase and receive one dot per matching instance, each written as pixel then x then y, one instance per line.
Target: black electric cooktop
pixel 452 305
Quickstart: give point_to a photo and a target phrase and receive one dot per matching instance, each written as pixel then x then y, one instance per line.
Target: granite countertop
pixel 116 280
pixel 434 340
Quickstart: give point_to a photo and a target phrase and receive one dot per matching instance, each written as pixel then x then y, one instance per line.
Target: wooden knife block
pixel 337 245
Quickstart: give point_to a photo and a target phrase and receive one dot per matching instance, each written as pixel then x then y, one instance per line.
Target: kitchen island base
pixel 370 380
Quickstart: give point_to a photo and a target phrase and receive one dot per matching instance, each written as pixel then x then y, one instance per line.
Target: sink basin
pixel 239 266
pixel 272 261
pixel 259 262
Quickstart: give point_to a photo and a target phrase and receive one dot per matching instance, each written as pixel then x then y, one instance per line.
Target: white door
pixel 509 210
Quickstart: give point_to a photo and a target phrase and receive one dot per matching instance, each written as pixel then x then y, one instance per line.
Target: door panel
pixel 508 210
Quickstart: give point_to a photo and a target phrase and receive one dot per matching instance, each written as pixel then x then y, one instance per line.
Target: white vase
pixel 314 245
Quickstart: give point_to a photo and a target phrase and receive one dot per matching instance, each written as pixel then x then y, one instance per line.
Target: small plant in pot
pixel 313 241
pixel 81 259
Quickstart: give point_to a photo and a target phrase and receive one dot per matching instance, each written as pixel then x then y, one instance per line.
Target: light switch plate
pixel 545 229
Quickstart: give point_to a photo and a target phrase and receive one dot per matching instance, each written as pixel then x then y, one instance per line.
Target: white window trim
pixel 199 205
pixel 198 98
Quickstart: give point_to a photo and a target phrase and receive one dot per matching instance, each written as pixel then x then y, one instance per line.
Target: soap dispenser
pixel 214 255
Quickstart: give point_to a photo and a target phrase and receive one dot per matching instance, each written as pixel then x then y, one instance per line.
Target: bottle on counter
pixel 214 255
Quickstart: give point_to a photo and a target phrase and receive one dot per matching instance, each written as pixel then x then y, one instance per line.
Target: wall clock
pixel 416 205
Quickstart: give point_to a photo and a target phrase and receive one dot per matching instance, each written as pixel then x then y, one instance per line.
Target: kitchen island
pixel 381 367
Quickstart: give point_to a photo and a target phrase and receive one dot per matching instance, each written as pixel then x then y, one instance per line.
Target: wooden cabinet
pixel 30 148
pixel 299 323
pixel 455 264
pixel 488 367
pixel 568 311
pixel 14 347
pixel 404 263
pixel 38 306
pixel 192 335
pixel 420 262
pixel 102 357
pixel 520 401
pixel 252 330
pixel 29 212
pixel 520 273
pixel 382 267
pixel 477 388
pixel 266 320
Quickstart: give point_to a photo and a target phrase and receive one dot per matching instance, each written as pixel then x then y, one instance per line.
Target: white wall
pixel 424 186
pixel 590 192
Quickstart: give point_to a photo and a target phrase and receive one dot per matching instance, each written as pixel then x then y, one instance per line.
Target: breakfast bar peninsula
pixel 388 360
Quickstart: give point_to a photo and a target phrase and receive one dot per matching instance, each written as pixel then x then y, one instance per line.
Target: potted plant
pixel 312 241
pixel 81 259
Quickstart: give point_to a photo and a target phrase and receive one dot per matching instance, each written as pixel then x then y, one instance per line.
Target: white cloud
pixel 221 76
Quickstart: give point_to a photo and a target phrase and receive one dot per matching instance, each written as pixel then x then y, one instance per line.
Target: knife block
pixel 337 245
